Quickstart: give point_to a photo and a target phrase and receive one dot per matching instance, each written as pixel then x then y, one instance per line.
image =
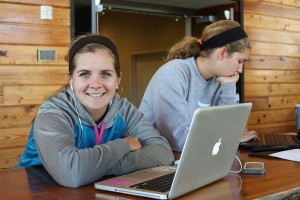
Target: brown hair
pixel 190 46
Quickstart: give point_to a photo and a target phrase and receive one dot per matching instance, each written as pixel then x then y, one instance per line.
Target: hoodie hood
pixel 69 104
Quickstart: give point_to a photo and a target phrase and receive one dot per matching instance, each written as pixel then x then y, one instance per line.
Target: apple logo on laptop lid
pixel 216 148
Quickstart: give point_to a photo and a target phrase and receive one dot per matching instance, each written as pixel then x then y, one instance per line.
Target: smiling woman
pixel 87 131
pixel 95 81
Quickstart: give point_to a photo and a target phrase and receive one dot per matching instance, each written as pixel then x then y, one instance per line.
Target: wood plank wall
pixel 25 82
pixel 272 76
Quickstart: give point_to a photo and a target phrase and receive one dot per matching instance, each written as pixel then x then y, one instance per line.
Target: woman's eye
pixel 105 75
pixel 242 61
pixel 84 74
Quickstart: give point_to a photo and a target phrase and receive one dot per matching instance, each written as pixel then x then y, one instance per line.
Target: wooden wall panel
pixel 27 55
pixel 284 102
pixel 43 35
pixel 294 3
pixel 10 156
pixel 271 89
pixel 28 14
pixel 272 116
pixel 274 128
pixel 17 116
pixel 32 75
pixel 275 49
pixel 24 95
pixel 272 74
pixel 270 35
pixel 275 76
pixel 271 22
pixel 24 81
pixel 1 95
pixel 272 62
pixel 14 137
pixel 274 8
pixel 60 3
pixel 274 102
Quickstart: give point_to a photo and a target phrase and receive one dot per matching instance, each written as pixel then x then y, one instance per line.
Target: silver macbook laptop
pixel 207 156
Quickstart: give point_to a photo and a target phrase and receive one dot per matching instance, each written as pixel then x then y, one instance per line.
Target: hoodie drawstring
pixel 97 134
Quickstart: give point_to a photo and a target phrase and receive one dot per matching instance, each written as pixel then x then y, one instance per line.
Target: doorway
pixel 143 68
pixel 142 41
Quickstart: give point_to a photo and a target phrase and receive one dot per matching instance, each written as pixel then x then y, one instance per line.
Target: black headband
pixel 224 38
pixel 92 39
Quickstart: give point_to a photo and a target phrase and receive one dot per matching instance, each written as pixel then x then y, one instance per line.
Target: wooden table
pixel 36 183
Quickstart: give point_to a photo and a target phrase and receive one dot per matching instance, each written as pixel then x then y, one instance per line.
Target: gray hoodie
pixel 64 141
pixel 175 92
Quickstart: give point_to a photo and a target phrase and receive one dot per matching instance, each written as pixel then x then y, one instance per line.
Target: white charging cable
pixel 241 166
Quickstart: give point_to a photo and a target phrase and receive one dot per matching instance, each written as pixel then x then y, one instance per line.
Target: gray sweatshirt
pixel 64 135
pixel 175 92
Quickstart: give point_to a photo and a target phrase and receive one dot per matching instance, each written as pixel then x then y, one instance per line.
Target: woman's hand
pixel 133 142
pixel 233 78
pixel 249 135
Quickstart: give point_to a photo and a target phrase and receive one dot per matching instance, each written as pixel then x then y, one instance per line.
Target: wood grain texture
pixel 271 89
pixel 274 76
pixel 258 103
pixel 17 116
pixel 294 3
pixel 10 160
pixel 283 101
pixel 24 95
pixel 13 137
pixel 61 3
pixel 272 73
pixel 33 75
pixel 272 62
pixel 27 54
pixel 275 49
pixel 43 35
pixel 272 116
pixel 270 35
pixel 254 19
pixel 274 128
pixel 30 14
pixel 24 81
pixel 273 9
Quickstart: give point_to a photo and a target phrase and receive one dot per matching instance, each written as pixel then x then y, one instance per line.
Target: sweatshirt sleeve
pixel 69 166
pixel 228 94
pixel 155 149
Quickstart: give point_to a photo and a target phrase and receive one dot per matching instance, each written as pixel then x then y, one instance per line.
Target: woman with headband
pixel 87 131
pixel 198 73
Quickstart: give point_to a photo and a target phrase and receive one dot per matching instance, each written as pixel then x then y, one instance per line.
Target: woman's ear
pixel 222 51
pixel 119 78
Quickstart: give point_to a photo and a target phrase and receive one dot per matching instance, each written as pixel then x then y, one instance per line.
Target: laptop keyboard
pixel 159 184
pixel 279 140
